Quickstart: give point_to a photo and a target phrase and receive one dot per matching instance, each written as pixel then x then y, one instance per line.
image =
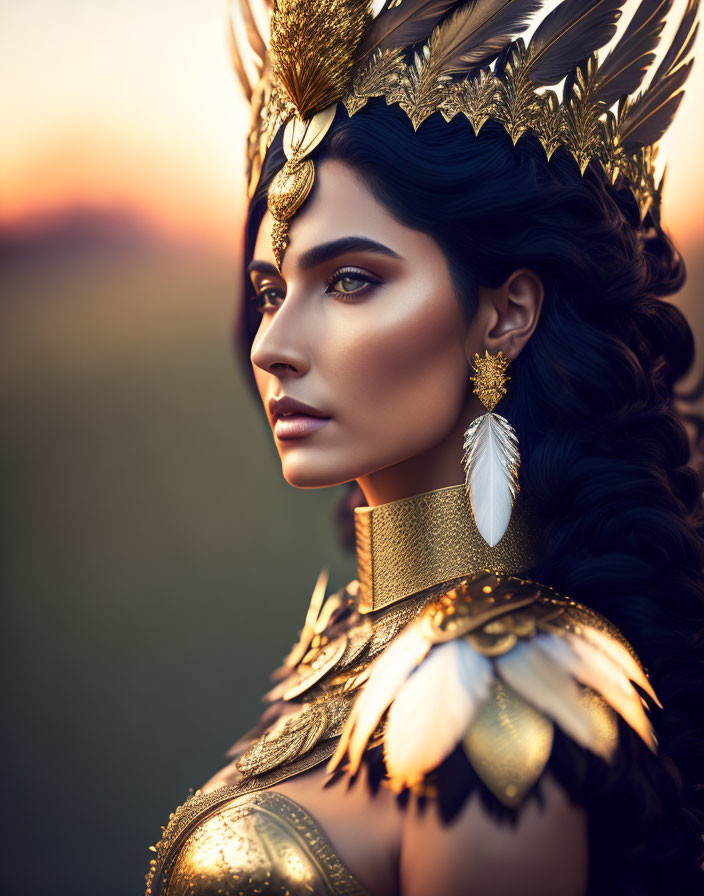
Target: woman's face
pixel 363 328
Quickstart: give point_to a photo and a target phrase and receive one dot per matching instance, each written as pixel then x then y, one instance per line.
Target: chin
pixel 301 468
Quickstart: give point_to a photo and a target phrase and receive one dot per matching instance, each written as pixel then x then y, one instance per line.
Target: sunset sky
pixel 133 104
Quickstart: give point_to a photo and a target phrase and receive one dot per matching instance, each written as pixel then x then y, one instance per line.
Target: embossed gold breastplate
pixel 259 843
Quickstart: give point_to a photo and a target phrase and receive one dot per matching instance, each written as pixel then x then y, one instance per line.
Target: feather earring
pixel 491 457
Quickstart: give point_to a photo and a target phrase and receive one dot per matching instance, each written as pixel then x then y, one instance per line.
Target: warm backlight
pixel 134 105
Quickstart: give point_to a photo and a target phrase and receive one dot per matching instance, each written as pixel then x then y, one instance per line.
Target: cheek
pixel 400 368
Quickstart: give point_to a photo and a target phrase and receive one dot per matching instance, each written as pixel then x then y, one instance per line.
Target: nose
pixel 278 347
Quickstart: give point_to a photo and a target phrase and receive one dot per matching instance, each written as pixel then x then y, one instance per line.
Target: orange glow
pixel 129 105
pixel 180 196
pixel 135 105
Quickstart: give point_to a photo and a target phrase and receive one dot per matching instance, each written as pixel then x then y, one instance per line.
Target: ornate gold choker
pixel 407 546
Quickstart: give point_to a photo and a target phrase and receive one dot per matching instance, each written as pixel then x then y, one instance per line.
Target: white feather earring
pixel 491 457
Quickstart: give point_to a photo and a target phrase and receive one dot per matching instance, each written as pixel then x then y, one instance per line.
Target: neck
pixel 438 467
pixel 407 546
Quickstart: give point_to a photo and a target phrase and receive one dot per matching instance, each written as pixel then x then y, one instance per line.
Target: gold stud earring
pixel 491 457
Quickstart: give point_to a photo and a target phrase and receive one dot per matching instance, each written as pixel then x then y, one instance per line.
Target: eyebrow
pixel 324 252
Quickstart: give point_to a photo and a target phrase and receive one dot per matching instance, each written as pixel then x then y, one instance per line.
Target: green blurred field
pixel 155 565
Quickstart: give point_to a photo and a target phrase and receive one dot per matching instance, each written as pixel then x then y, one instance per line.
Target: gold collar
pixel 407 546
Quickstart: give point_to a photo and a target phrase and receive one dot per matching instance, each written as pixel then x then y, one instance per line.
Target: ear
pixel 508 314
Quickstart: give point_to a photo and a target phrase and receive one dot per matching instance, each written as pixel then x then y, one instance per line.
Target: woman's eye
pixel 350 284
pixel 342 284
pixel 268 300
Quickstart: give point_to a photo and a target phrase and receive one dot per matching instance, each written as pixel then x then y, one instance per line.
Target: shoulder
pixel 489 670
pixel 545 851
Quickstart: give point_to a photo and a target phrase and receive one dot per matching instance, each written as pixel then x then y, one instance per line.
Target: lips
pixel 293 419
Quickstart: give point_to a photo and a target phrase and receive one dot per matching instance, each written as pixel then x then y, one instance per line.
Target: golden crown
pixel 297 61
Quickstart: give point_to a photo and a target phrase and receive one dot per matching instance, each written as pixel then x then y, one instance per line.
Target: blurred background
pixel 154 566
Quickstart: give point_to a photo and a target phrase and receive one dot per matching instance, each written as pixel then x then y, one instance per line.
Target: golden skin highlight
pixel 364 326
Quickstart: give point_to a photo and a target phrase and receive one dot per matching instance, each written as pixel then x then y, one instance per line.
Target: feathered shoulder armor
pixel 489 665
pixel 483 667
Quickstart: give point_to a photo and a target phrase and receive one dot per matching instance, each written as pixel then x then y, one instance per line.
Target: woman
pixel 506 699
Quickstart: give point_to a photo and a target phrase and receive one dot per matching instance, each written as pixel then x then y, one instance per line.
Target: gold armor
pixel 259 843
pixel 242 838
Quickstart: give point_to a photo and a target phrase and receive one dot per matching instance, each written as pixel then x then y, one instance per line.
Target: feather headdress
pixel 297 60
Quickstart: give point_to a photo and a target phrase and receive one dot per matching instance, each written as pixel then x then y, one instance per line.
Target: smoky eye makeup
pixel 267 289
pixel 346 284
pixel 350 282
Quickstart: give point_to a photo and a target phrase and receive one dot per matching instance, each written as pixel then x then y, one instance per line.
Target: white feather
pixel 433 710
pixel 491 462
pixel 594 669
pixel 598 671
pixel 376 7
pixel 620 655
pixel 387 674
pixel 550 689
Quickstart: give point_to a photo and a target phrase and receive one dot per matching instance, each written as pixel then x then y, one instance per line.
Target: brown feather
pixel 652 114
pixel 623 70
pixel 238 64
pixel 477 32
pixel 256 41
pixel 649 115
pixel 682 42
pixel 569 34
pixel 403 25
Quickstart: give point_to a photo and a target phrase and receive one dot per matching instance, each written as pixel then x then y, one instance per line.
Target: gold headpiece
pixel 466 61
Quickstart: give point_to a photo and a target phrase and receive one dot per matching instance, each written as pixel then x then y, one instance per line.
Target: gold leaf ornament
pixel 468 37
pixel 302 137
pixel 550 126
pixel 508 744
pixel 294 736
pixel 300 649
pixel 582 125
pixel 421 89
pixel 475 98
pixel 519 106
pixel 376 76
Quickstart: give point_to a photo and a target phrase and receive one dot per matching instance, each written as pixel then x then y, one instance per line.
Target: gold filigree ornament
pixel 490 379
pixel 292 185
pixel 301 58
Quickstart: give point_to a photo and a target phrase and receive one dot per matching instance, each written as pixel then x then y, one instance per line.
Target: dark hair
pixel 605 452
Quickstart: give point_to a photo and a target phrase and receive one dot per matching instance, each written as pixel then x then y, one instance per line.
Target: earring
pixel 491 457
